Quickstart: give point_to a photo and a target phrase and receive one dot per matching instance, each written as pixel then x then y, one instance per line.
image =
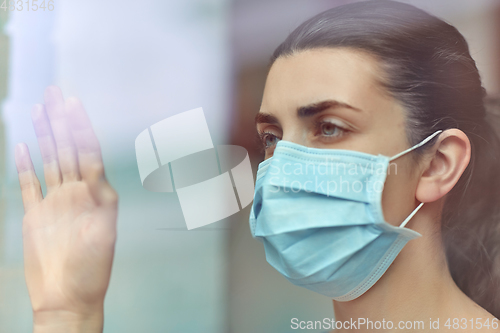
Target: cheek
pixel 398 196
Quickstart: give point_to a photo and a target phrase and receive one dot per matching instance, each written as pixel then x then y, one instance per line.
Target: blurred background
pixel 134 63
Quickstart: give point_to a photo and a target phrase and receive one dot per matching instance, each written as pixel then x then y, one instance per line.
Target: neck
pixel 417 288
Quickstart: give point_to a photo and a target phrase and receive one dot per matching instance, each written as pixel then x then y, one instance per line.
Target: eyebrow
pixel 305 111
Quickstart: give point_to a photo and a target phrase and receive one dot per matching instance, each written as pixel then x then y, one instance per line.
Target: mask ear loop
pixel 430 137
pixel 411 215
pixel 416 146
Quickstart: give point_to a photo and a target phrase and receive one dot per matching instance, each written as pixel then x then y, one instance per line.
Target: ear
pixel 449 157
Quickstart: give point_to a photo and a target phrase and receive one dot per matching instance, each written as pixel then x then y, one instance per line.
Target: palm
pixel 69 235
pixel 63 238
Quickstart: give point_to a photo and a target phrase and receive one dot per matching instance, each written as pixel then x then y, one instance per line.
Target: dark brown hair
pixel 430 71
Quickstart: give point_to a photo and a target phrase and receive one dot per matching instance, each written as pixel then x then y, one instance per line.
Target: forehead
pixel 347 75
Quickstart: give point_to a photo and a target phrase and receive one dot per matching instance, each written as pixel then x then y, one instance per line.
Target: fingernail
pixel 37 111
pixel 72 103
pixel 20 149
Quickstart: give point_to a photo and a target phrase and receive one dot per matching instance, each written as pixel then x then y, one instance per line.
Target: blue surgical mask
pixel 319 214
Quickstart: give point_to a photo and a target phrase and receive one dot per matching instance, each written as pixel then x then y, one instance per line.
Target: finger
pixel 47 146
pixel 66 152
pixel 89 151
pixel 30 186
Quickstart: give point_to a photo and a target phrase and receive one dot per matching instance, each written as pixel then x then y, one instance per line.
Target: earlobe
pixel 448 160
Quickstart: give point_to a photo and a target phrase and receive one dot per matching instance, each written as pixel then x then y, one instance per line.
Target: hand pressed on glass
pixel 68 236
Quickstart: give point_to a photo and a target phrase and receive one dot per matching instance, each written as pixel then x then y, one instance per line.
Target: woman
pixel 357 83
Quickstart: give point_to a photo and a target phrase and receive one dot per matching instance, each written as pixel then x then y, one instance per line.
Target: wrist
pixel 68 322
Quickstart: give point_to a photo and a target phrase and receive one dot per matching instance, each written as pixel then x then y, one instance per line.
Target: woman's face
pixel 331 98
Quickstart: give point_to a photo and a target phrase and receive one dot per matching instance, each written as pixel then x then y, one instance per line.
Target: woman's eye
pixel 330 129
pixel 269 140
